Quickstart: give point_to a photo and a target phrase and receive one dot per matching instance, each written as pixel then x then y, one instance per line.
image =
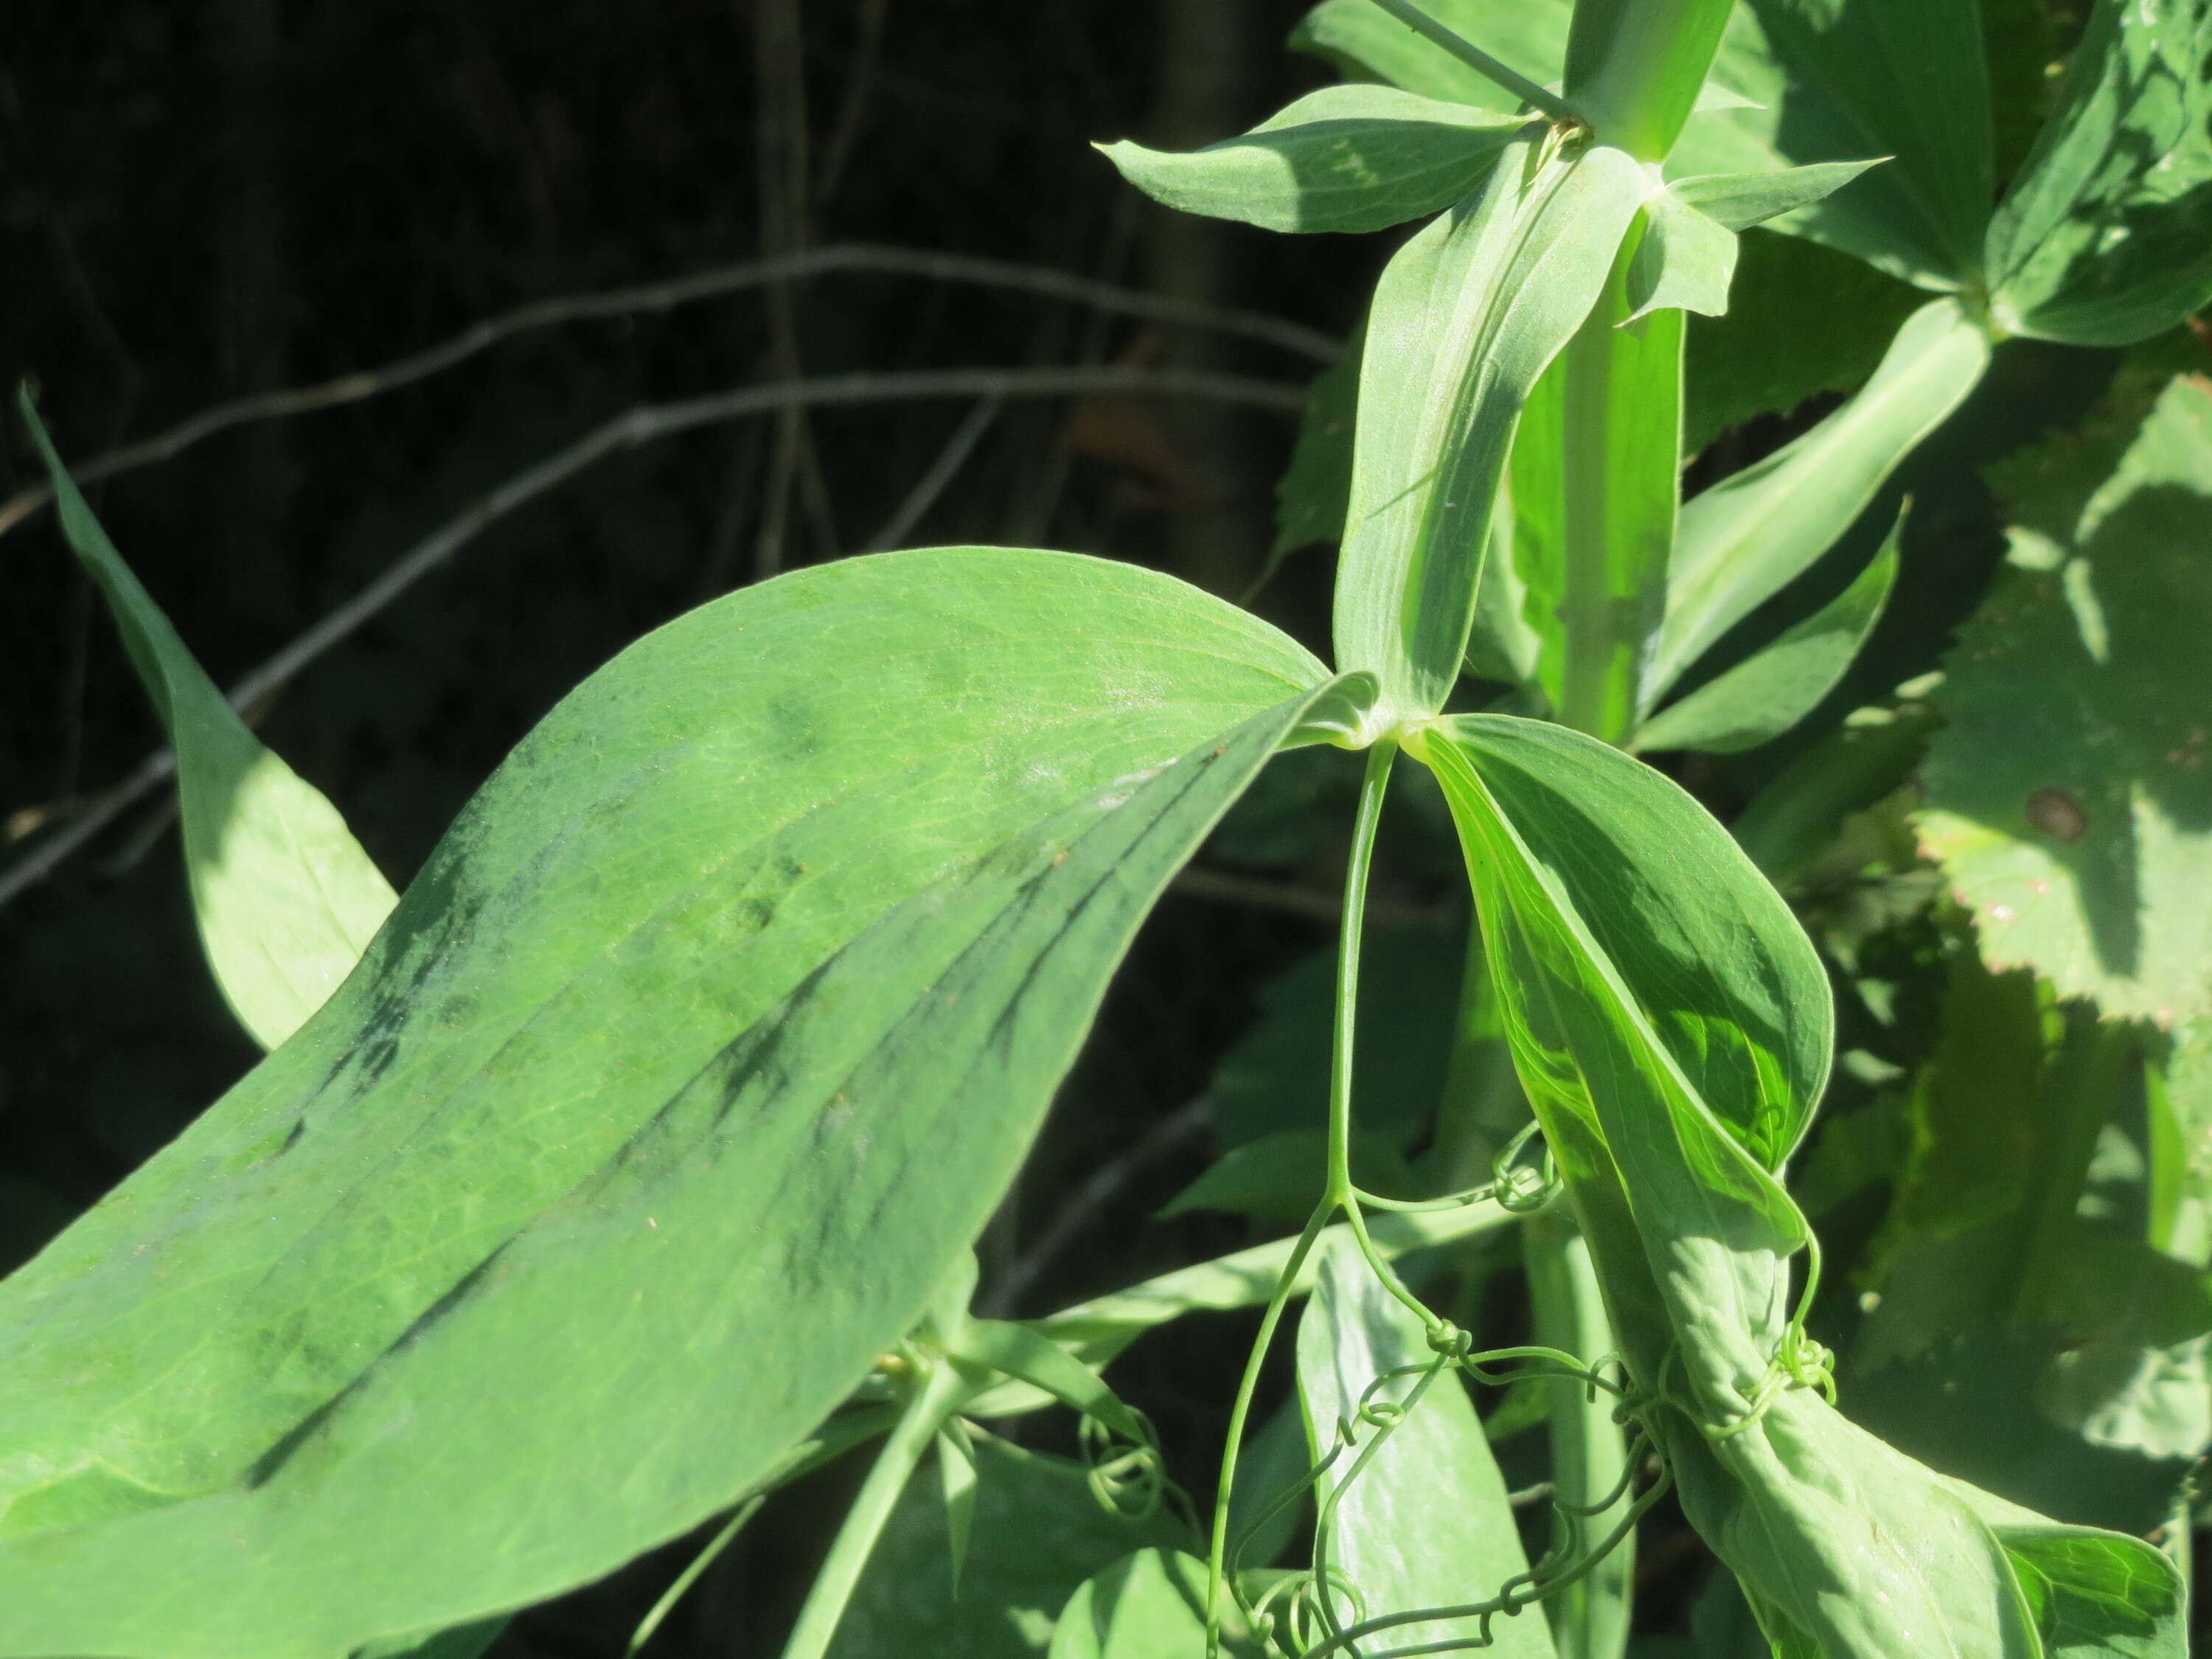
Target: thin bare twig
pixel 932 483
pixel 646 424
pixel 664 296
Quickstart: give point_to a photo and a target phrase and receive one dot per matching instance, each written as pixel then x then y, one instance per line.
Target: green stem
pixel 1589 1450
pixel 2086 1084
pixel 1480 61
pixel 1233 1443
pixel 939 1395
pixel 1621 458
pixel 1357 867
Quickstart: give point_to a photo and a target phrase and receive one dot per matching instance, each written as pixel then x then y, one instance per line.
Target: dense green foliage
pixel 627 1170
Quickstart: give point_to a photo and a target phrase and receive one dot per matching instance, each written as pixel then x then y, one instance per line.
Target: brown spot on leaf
pixel 2058 814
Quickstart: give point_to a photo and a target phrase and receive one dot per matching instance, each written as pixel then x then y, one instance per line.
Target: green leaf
pixel 1740 200
pixel 2069 796
pixel 1630 937
pixel 704 1044
pixel 1147 1606
pixel 1349 158
pixel 1684 263
pixel 2178 1106
pixel 955 1475
pixel 1769 692
pixel 1743 540
pixel 1802 320
pixel 1367 44
pixel 1039 1532
pixel 1466 318
pixel 2106 237
pixel 285 897
pixel 1907 82
pixel 1425 1522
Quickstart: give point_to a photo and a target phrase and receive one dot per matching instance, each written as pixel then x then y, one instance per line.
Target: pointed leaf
pixel 1350 158
pixel 2106 237
pixel 702 1049
pixel 1740 200
pixel 1741 541
pixel 1425 1523
pixel 1685 261
pixel 286 899
pixel 1776 686
pixel 955 1475
pixel 1467 317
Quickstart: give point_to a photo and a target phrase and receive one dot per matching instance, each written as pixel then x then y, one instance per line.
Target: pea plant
pixel 627 1167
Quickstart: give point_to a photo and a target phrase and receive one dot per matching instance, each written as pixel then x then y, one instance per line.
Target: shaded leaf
pixel 1780 684
pixel 1349 158
pixel 285 898
pixel 1425 1523
pixel 1275 1077
pixel 1738 200
pixel 1147 1606
pixel 1741 541
pixel 2106 237
pixel 2069 800
pixel 1802 320
pixel 719 1019
pixel 1854 79
pixel 1039 1531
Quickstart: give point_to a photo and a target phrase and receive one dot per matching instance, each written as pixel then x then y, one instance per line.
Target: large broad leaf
pixel 1346 158
pixel 1039 1531
pixel 1769 692
pixel 1669 1023
pixel 1424 1522
pixel 2106 237
pixel 707 1039
pixel 1741 542
pixel 286 899
pixel 1467 317
pixel 2070 795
